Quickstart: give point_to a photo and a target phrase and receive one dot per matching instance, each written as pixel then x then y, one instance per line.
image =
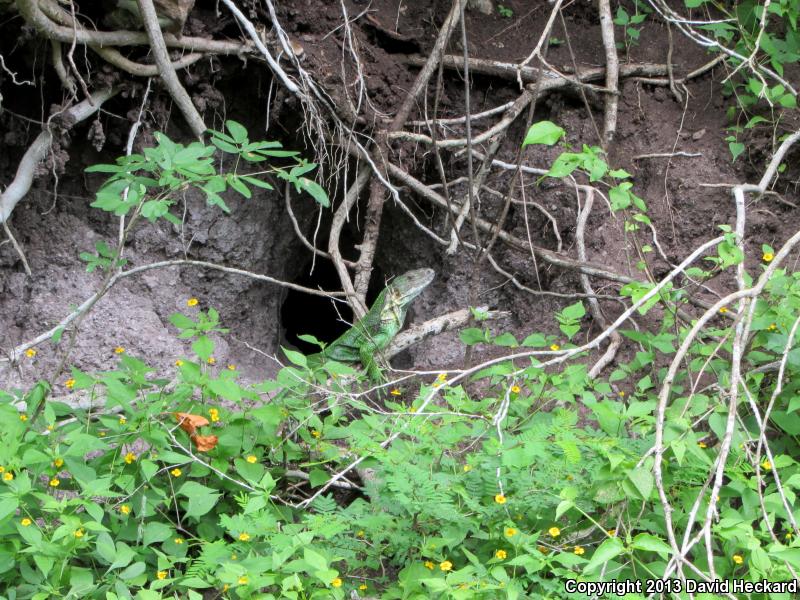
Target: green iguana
pixel 375 331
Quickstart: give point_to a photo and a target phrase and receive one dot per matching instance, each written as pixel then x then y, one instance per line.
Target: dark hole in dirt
pixel 325 319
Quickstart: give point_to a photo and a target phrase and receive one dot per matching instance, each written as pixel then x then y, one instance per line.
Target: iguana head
pixel 409 285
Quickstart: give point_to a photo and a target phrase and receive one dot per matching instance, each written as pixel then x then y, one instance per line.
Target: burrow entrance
pixel 324 318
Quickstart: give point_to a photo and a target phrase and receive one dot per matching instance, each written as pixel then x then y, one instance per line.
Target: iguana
pixel 375 331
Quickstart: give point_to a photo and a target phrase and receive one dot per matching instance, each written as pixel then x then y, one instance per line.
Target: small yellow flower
pixel 500 554
pixel 51 427
pixel 396 392
pixel 500 499
pixel 737 558
pixel 225 588
pixel 130 457
pixel 211 360
pixel 766 257
pixel 55 482
pixel 178 540
pixel 789 535
pixel 2 469
pixel 621 394
pixel 125 509
pixel 26 522
pixel 244 536
pixel 429 565
pixel 102 434
pixel 58 462
pixel 543 549
pixel 30 352
pixel 252 459
pixel 7 476
pixel 214 414
pixel 772 327
pixel 702 445
pixel 234 557
pixel 360 534
pixel 442 377
pixel 337 582
pixel 554 532
pixel 192 302
pixel 555 347
pixel 23 418
pixel 122 420
pixel 362 587
pixel 179 363
pixel 69 383
pixel 243 580
pixel 612 532
pixel 119 350
pixel 78 533
pixel 161 574
pixel 446 566
pixel 176 472
pixel 467 468
pixel 510 532
pixel 515 389
pixel 412 409
pixel 316 433
pixel 579 550
pixel 766 465
pixel 231 367
pixel 723 310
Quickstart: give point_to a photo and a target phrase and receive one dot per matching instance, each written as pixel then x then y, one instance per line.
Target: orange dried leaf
pixel 204 443
pixel 189 422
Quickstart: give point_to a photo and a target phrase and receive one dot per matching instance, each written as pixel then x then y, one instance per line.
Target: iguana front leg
pixel 367 353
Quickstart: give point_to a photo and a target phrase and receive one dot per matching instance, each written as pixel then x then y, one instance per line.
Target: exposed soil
pixel 55 223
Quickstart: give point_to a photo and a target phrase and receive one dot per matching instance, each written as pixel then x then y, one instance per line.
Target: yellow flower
pixel 621 394
pixel 176 472
pixel 102 434
pixel 234 557
pixel 119 350
pixel 360 534
pixel 789 535
pixel 442 377
pixel 178 540
pixel 579 550
pixel 467 468
pixel 316 433
pixel 214 414
pixel 244 536
pixel 362 587
pixel 500 499
pixel 55 482
pixel 612 532
pixel 543 549
pixel 723 310
pixel 737 558
pixel 500 554
pixel 78 533
pixel 766 257
pixel 554 532
pixel 515 389
pixel 23 418
pixel 772 327
pixel 510 531
pixel 412 409
pixel 396 392
pixel 130 457
pixel 161 574
pixel 125 509
pixel 7 476
pixel 555 347
pixel 51 427
pixel 337 582
pixel 211 360
pixel 25 522
pixel 122 420
pixel 30 352
pixel 69 383
pixel 429 565
pixel 446 566
pixel 179 363
pixel 2 469
pixel 252 459
pixel 702 444
pixel 243 580
pixel 231 367
pixel 192 302
pixel 766 465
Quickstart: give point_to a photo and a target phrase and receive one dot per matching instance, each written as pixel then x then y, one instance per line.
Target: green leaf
pixel 237 131
pixel 156 532
pixel 314 189
pixel 651 543
pixel 472 335
pixel 203 347
pixel 609 549
pixel 315 560
pixel 201 498
pixel 643 481
pixel 543 132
